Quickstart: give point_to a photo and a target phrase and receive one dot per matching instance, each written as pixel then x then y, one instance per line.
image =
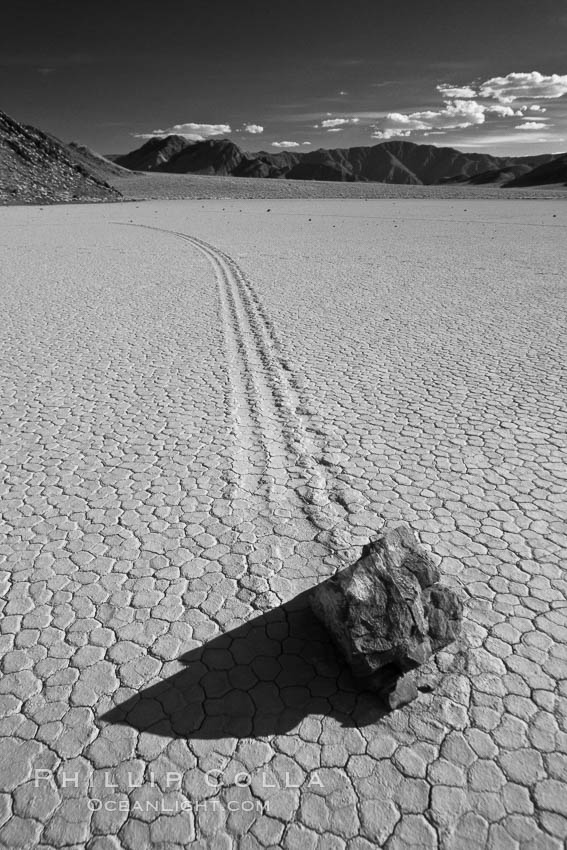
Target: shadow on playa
pixel 262 678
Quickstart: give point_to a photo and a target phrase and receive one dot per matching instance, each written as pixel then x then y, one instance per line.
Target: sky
pixel 482 75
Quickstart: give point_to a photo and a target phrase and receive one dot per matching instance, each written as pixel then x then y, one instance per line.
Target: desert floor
pixel 139 185
pixel 208 406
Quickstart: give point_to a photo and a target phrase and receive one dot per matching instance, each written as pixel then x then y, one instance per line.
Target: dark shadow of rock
pixel 262 678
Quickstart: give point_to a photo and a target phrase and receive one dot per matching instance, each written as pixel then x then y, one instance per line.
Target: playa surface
pixel 208 407
pixel 140 185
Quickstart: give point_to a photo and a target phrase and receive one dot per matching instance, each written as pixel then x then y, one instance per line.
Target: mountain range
pixel 387 162
pixel 35 167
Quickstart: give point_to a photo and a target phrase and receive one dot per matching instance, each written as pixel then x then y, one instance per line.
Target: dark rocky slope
pixel 153 154
pixel 548 173
pixel 100 166
pixel 210 157
pixel 37 168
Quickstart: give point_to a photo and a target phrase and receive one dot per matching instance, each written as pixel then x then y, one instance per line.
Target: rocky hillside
pixel 548 173
pixel 493 176
pixel 37 168
pixel 210 157
pixel 376 164
pixel 153 154
pixel 98 165
pixel 389 162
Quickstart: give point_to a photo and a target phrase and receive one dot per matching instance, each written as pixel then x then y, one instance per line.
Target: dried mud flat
pixel 207 407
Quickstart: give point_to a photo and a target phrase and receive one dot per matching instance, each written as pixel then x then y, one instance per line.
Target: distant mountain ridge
pixel 35 167
pixel 387 162
pixel 552 171
pixel 151 155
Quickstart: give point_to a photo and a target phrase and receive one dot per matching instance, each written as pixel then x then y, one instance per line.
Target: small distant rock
pixel 389 613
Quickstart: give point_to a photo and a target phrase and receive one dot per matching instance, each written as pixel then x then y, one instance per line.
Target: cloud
pixel 333 123
pixel 531 125
pixel 203 129
pixel 475 103
pixel 449 91
pixel 191 131
pixel 520 86
pixel 503 111
pixel 287 144
pixel 391 133
pixel 455 114
pixel 513 138
pixel 514 86
pixel 253 128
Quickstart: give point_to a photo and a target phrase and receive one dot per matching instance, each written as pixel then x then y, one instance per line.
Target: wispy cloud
pixel 334 124
pixel 255 129
pixel 384 83
pixel 511 138
pixel 450 91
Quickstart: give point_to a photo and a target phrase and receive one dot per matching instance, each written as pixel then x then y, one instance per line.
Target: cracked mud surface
pixel 207 408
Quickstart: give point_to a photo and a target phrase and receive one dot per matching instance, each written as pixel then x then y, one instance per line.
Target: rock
pixel 35 166
pixel 404 690
pixel 388 613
